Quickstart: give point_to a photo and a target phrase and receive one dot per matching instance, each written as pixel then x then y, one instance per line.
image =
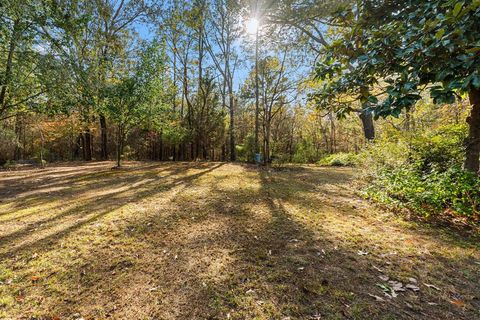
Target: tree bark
pixel 88 145
pixel 472 150
pixel 160 141
pixel 266 155
pixel 19 128
pixel 120 141
pixel 367 125
pixel 257 106
pixel 233 152
pixel 104 139
pixel 8 67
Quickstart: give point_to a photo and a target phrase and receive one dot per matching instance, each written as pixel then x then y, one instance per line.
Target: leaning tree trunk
pixel 472 150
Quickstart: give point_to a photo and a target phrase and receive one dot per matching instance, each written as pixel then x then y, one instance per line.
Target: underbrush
pixel 454 190
pixel 423 173
pixel 341 159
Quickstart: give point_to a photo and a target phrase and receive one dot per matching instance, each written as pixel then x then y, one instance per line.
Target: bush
pixel 305 152
pixel 340 159
pixel 423 173
pixel 246 151
pixel 454 189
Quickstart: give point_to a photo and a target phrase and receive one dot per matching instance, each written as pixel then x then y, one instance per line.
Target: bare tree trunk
pixel 104 139
pixel 120 141
pixel 257 106
pixel 233 152
pixel 368 126
pixel 19 128
pixel 472 150
pixel 161 145
pixel 8 66
pixel 88 145
pixel 266 160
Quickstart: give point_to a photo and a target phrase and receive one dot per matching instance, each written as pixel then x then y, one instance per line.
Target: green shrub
pixel 340 159
pixel 305 152
pixel 454 189
pixel 423 173
pixel 438 150
pixel 246 151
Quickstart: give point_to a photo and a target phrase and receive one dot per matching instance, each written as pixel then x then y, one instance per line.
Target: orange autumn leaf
pixel 458 303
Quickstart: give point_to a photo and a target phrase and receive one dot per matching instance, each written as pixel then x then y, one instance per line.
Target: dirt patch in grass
pixel 220 241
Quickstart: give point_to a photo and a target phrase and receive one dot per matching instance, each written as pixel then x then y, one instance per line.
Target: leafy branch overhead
pixel 406 49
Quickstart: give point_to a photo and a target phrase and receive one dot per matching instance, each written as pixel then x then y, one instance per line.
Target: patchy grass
pixel 219 241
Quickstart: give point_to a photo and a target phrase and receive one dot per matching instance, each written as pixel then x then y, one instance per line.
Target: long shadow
pixel 93 181
pixel 275 266
pixel 112 201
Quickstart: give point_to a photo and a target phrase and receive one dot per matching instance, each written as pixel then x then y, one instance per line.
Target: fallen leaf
pixel 412 287
pixel 431 286
pixel 458 303
pixel 412 280
pixel 396 285
pixel 377 298
pixel 384 278
pixel 377 268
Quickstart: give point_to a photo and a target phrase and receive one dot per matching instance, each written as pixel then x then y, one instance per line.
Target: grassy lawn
pixel 220 241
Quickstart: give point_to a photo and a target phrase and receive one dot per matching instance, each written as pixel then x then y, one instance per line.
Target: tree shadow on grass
pixel 88 211
pixel 231 245
pixel 242 253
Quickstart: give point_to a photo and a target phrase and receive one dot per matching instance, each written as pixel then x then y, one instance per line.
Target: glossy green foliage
pixel 404 48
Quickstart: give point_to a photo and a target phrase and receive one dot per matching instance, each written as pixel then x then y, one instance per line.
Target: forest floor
pixel 220 241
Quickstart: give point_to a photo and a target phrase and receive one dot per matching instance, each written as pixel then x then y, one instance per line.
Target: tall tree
pixel 139 96
pixel 113 18
pixel 415 46
pixel 276 91
pixel 312 19
pixel 23 58
pixel 224 22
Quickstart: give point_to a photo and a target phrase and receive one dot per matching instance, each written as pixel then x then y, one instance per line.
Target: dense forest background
pixel 385 85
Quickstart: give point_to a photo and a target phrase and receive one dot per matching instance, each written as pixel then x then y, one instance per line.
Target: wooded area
pixel 265 133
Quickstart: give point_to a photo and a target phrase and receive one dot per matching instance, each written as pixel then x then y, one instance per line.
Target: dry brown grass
pixel 218 241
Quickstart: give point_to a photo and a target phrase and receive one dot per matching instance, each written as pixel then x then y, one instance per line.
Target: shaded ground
pixel 219 241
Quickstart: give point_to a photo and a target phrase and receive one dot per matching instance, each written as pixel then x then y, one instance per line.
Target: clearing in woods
pixel 220 241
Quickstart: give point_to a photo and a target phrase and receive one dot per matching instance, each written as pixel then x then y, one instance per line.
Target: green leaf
pixel 457 9
pixel 440 34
